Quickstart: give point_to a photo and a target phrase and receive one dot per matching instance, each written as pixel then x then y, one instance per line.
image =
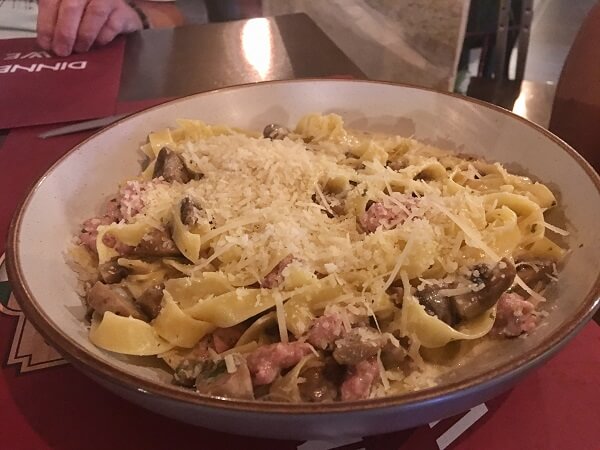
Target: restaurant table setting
pixel 47 403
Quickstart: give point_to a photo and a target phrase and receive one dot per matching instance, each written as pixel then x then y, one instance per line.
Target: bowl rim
pixel 81 358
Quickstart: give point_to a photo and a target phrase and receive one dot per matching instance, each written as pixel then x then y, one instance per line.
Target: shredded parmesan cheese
pixel 470 233
pixel 537 297
pixel 230 364
pixel 398 264
pixel 281 320
pixel 454 292
pixel 211 258
pixel 556 229
pixel 322 199
pixel 382 374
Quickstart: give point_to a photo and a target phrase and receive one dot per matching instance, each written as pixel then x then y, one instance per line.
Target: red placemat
pixel 47 404
pixel 37 87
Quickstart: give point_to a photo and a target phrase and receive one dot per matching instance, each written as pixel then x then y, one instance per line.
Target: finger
pixel 67 24
pixel 120 21
pixel 46 19
pixel 94 18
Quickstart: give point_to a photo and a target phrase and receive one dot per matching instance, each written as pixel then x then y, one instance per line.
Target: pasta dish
pixel 313 264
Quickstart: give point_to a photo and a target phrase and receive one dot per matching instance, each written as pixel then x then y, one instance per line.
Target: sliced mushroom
pixel 437 305
pixel 150 301
pixel 170 166
pixel 275 131
pixel 393 357
pixel 113 298
pixel 111 272
pixel 455 309
pixel 189 212
pixel 496 281
pixel 321 383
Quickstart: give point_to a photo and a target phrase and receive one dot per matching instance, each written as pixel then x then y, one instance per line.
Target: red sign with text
pixel 37 87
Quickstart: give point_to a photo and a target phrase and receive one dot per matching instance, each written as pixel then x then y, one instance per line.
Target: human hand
pixel 64 26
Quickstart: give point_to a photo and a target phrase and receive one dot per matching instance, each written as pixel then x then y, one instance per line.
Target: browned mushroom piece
pixel 454 309
pixel 496 281
pixel 275 131
pixel 170 166
pixel 396 294
pixel 189 212
pixel 337 206
pixel 116 299
pixel 437 305
pixel 396 165
pixel 393 357
pixel 150 302
pixel 321 383
pixel 156 243
pixel 111 272
pixel 357 345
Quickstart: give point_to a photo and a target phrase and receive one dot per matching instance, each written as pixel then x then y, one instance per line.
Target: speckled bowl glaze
pixel 74 187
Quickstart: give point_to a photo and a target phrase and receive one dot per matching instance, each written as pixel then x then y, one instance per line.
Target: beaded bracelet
pixel 142 15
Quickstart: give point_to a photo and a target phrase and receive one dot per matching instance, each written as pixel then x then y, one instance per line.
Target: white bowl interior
pixel 75 188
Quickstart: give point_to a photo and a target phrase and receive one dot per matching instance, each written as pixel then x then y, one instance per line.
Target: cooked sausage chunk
pixel 325 330
pixel 266 362
pixel 378 215
pixel 275 277
pixel 156 243
pixel 359 379
pixel 514 316
pixel 116 299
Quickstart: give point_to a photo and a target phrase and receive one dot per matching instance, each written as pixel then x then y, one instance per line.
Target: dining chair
pixel 512 28
pixel 576 110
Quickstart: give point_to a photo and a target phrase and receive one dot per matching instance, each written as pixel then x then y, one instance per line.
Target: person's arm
pixel 576 110
pixel 64 26
pixel 161 14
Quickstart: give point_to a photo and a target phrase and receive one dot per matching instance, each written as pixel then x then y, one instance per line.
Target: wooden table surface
pixel 195 58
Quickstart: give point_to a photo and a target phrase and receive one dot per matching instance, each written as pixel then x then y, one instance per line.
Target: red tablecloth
pixel 46 404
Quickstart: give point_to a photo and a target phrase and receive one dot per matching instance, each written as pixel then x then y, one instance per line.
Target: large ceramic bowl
pixel 71 190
